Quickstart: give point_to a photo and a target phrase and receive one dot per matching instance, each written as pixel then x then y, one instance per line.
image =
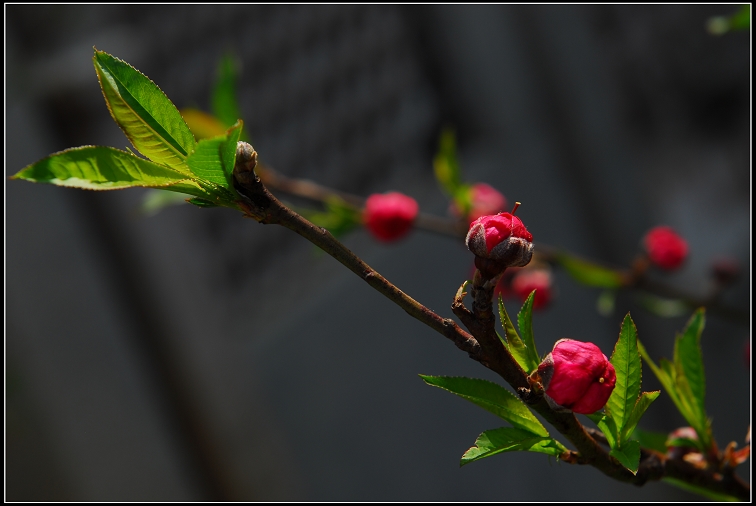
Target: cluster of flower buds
pixel 665 248
pixel 389 216
pixel 498 242
pixel 577 376
pixel 484 200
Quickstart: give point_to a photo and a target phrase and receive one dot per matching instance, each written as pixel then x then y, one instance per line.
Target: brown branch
pixel 262 206
pixel 457 228
pixel 483 345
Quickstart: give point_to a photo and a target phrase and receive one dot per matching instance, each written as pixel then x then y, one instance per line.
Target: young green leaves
pixel 99 168
pixel 150 121
pixel 156 129
pixel 683 378
pixel 627 404
pixel 522 348
pixel 526 433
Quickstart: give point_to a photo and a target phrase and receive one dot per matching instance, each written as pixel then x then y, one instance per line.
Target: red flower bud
pixel 389 216
pixel 665 248
pixel 531 279
pixel 484 200
pixel 577 376
pixel 498 242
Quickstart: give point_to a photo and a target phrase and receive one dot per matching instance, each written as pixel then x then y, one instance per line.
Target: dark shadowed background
pixel 194 355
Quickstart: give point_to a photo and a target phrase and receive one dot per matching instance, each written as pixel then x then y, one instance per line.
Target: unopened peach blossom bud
pixel 577 376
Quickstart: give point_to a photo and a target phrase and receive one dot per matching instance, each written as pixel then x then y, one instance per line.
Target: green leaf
pixel 666 378
pixel 714 496
pixel 223 103
pixel 507 439
pixel 202 202
pixel 681 391
pixel 213 159
pixel 628 454
pixel 627 364
pixel 653 440
pixel 155 200
pixel 666 308
pixel 491 397
pixel 607 426
pixel 339 216
pixel 689 362
pixel 588 273
pixel 446 166
pixel 643 403
pixel 206 190
pixel 516 346
pixel 99 168
pixel 228 152
pixel 525 323
pixel 150 121
pixel 676 384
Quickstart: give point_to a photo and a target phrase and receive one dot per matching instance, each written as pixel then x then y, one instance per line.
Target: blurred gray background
pixel 197 356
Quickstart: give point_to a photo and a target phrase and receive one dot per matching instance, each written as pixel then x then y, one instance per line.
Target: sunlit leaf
pixel 147 117
pixel 607 426
pixel 525 323
pixel 643 403
pixel 516 346
pixel 627 365
pixel 508 439
pixel 213 159
pixel 99 168
pixel 492 398
pixel 628 454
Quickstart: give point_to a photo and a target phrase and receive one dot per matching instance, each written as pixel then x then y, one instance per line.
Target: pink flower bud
pixel 389 216
pixel 498 242
pixel 675 450
pixel 577 376
pixel 665 248
pixel 484 200
pixel 531 279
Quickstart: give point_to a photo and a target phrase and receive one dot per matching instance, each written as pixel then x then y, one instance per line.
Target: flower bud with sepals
pixel 577 377
pixel 498 242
